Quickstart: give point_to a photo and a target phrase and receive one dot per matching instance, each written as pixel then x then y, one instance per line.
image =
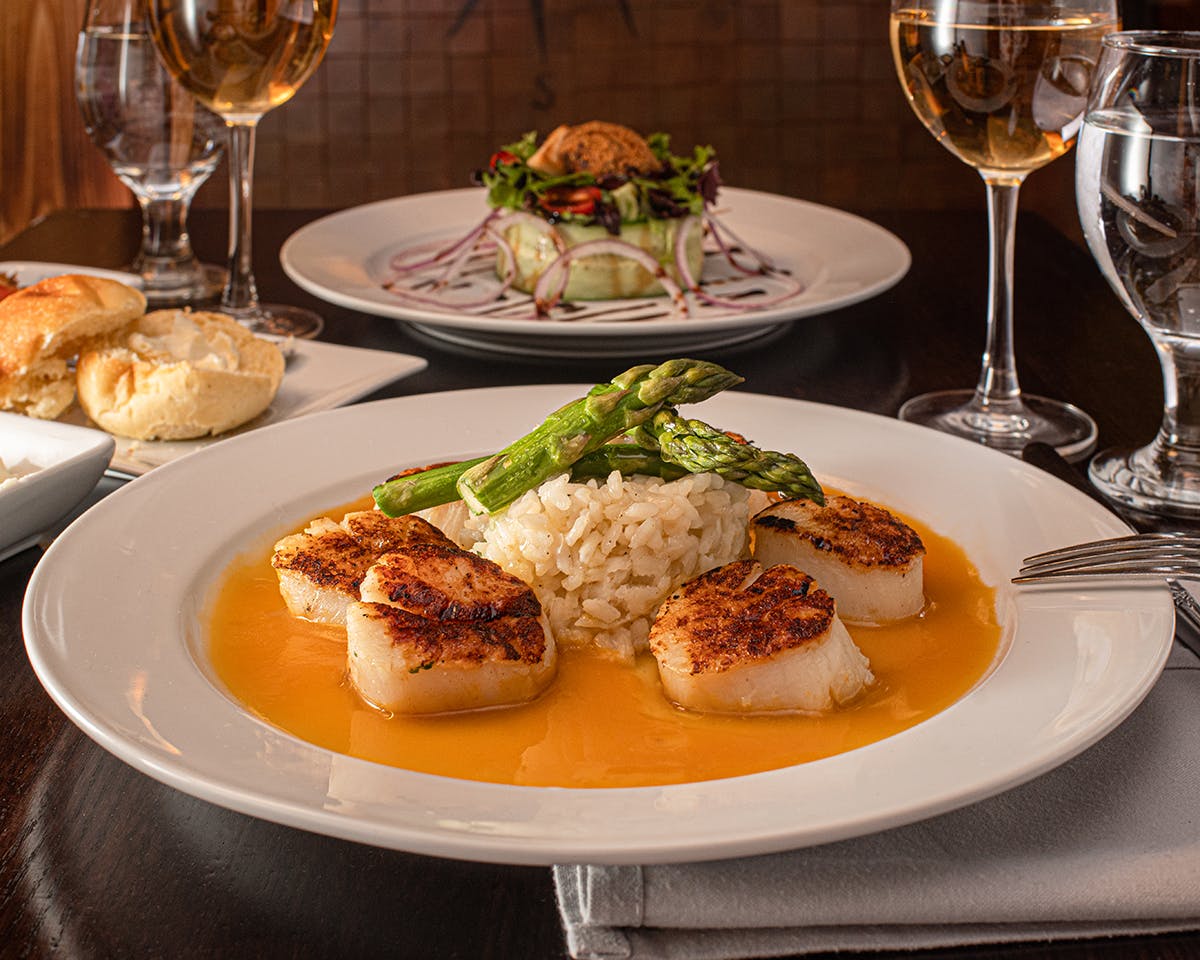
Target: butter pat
pixel 185 341
pixel 11 475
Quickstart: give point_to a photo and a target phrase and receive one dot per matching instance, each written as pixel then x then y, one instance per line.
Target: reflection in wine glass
pixel 1137 185
pixel 160 142
pixel 1001 85
pixel 242 58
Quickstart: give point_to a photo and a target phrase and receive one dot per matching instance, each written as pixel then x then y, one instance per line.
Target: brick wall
pixel 798 96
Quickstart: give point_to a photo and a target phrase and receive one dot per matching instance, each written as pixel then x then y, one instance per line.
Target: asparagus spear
pixel 409 493
pixel 629 458
pixel 699 447
pixel 584 425
pixel 433 487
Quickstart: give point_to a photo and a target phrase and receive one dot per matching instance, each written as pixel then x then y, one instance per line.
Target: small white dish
pixel 1074 660
pixel 68 460
pixel 29 272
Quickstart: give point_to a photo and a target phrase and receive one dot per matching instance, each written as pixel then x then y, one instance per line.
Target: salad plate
pixel 124 651
pixel 838 258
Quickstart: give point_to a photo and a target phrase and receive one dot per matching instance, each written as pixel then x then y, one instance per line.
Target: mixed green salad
pixel 684 185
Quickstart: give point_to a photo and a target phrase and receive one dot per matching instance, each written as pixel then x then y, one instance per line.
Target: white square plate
pixel 318 376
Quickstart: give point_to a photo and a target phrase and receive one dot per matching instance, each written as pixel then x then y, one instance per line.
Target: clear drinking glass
pixel 158 139
pixel 242 58
pixel 1137 185
pixel 1002 84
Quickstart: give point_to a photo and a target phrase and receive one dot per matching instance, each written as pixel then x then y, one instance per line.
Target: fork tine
pixel 1134 541
pixel 1128 554
pixel 1171 569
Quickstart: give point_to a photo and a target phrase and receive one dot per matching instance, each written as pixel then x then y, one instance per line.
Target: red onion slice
pixel 718 227
pixel 553 281
pixel 398 265
pixel 793 286
pixel 514 217
pixel 510 273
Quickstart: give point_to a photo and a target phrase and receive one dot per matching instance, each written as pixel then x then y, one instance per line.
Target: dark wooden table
pixel 97 860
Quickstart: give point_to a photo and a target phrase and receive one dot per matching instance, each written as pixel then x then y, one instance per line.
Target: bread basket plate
pixel 318 376
pixel 28 272
pixel 839 258
pixel 55 464
pixel 124 651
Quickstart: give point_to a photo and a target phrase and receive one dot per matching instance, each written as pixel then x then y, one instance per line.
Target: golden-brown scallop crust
pixel 739 612
pixel 860 533
pixel 338 558
pixel 510 638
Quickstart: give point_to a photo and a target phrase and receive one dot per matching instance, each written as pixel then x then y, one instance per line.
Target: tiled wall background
pixel 798 96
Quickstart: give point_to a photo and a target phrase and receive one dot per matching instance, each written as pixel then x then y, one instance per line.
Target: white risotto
pixel 601 557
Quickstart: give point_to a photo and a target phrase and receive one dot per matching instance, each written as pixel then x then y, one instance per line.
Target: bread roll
pixel 179 375
pixel 45 325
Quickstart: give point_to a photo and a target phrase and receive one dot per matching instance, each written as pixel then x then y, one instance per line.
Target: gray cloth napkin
pixel 1105 845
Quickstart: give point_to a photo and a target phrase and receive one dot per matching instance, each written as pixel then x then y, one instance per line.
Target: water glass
pixel 160 141
pixel 1138 193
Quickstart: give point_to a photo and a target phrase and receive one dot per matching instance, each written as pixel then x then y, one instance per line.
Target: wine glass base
pixel 1136 480
pixel 164 291
pixel 1007 426
pixel 278 320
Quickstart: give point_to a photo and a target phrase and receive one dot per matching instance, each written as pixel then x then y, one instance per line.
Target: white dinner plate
pixel 318 376
pixel 840 258
pixel 122 650
pixel 29 272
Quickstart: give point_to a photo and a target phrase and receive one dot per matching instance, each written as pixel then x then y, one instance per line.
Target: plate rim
pixel 515 842
pixel 56 269
pixel 494 327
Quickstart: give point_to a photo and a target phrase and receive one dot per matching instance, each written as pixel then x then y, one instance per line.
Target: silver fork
pixel 1171 557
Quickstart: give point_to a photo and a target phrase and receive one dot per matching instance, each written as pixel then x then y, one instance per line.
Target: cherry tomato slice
pixel 580 200
pixel 499 157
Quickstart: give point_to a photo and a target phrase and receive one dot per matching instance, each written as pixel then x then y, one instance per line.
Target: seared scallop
pixel 868 559
pixel 741 639
pixel 440 629
pixel 321 570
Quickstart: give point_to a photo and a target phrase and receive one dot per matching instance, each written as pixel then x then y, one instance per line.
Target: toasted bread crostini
pixel 739 639
pixel 868 559
pixel 440 629
pixel 602 148
pixel 321 570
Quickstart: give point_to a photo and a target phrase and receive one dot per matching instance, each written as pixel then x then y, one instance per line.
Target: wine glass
pixel 1137 185
pixel 1002 84
pixel 242 58
pixel 160 142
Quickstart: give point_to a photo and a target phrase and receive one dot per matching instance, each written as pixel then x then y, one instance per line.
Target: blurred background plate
pixel 28 272
pixel 840 258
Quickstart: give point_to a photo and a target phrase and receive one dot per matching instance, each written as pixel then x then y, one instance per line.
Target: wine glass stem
pixel 998 387
pixel 240 292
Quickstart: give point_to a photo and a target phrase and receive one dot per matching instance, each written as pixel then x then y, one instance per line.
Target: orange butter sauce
pixel 602 722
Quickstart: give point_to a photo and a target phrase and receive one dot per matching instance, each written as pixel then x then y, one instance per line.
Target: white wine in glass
pixel 1001 84
pixel 241 58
